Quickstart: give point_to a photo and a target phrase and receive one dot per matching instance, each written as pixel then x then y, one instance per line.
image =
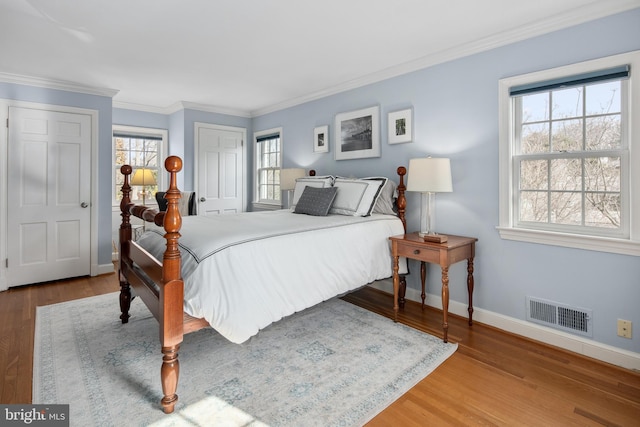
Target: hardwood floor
pixel 494 378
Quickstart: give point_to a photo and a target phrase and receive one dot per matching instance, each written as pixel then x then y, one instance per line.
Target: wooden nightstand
pixel 456 248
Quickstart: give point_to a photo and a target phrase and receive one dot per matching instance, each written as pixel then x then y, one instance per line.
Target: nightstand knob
pixel 416 252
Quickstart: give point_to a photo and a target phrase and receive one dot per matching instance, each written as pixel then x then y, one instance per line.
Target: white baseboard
pixel 584 346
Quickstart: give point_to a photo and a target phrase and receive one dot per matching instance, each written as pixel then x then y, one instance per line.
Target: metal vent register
pixel 560 316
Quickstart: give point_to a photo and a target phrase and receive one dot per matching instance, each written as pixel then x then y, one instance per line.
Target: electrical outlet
pixel 624 328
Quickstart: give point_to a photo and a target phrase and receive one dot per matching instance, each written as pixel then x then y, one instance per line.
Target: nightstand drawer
pixel 419 253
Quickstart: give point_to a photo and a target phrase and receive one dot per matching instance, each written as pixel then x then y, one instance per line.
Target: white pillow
pixel 356 197
pixel 311 181
pixel 387 198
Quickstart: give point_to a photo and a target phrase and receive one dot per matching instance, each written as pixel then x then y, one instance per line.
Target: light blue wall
pixel 456 115
pixel 103 105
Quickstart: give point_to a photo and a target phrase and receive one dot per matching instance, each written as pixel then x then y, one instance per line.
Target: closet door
pixel 220 172
pixel 49 212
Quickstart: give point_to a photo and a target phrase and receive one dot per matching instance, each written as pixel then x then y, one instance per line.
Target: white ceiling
pixel 249 57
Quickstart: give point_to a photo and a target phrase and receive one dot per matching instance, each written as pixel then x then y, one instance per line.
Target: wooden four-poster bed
pixel 154 272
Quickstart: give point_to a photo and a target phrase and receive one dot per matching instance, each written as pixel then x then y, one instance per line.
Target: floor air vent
pixel 560 316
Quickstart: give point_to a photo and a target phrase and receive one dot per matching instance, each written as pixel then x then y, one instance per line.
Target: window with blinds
pixel 268 164
pixel 567 155
pixel 139 148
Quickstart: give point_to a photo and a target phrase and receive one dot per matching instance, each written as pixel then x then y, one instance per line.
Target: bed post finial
pixel 402 200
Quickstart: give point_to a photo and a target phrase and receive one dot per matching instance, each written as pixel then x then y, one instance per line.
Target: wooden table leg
pixel 470 288
pixel 423 278
pixel 445 301
pixel 396 286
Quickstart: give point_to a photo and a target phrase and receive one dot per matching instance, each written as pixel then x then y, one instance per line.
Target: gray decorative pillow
pixel 316 201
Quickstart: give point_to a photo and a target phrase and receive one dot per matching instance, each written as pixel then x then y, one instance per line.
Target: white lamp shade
pixel 288 178
pixel 429 175
pixel 143 176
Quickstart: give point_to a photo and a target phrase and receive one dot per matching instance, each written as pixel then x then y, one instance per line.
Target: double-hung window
pixel 268 155
pixel 567 170
pixel 141 148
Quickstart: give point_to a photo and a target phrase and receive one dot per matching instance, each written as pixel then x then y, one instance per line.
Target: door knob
pixel 84 205
pixel 202 199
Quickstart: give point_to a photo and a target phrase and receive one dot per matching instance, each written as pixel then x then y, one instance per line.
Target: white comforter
pixel 244 271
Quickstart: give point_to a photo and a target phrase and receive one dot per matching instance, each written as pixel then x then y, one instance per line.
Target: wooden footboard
pixel 158 283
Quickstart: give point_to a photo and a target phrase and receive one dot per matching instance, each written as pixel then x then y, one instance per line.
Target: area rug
pixel 333 364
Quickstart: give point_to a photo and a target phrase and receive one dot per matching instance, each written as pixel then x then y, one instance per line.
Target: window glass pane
pixel 535 138
pixel 535 107
pixel 533 175
pixel 603 98
pixel 534 206
pixel 566 174
pixel 566 208
pixel 567 103
pixel 602 174
pixel 268 169
pixel 136 151
pixel 566 135
pixel 602 210
pixel 603 132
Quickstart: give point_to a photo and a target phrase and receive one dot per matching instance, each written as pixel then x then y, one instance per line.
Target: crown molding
pixel 179 106
pixel 561 21
pixel 215 109
pixel 56 84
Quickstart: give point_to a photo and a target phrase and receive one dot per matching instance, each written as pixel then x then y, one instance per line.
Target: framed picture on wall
pixel 357 134
pixel 401 126
pixel 321 139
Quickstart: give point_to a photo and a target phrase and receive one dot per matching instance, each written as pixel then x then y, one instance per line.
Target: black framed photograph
pixel 321 139
pixel 401 126
pixel 357 134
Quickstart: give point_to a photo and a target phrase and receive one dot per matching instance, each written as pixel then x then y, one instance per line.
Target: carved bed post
pixel 125 238
pixel 402 206
pixel 402 200
pixel 171 292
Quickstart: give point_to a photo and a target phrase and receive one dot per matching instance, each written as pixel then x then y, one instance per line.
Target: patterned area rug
pixel 333 364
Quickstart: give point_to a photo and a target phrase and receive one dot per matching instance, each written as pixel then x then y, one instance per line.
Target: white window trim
pixel 507 229
pixel 142 131
pixel 257 203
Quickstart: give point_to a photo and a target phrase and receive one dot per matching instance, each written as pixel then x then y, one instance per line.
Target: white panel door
pixel 220 170
pixel 49 191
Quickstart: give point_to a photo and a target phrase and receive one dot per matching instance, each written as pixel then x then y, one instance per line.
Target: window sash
pixel 268 165
pixel 581 154
pixel 137 153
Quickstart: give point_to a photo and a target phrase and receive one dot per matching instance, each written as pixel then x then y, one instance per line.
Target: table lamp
pixel 288 180
pixel 143 177
pixel 429 176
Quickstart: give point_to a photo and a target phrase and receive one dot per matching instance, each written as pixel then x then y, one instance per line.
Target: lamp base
pixel 433 237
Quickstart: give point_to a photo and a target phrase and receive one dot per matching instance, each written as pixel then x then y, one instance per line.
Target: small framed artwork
pixel 401 126
pixel 357 134
pixel 321 139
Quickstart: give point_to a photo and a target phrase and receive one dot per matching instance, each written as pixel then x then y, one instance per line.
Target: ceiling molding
pixel 179 106
pixel 141 107
pixel 56 85
pixel 215 109
pixel 561 21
